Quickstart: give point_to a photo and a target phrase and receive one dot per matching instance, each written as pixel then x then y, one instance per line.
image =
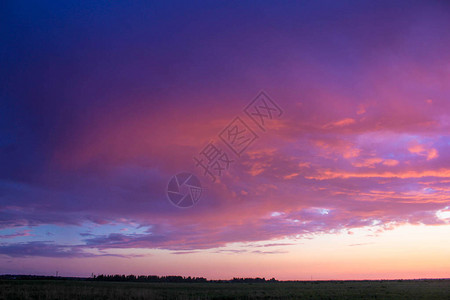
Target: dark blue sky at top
pixel 60 59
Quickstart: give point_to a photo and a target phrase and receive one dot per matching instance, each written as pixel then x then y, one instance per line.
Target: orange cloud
pixel 361 109
pixel 443 173
pixel 371 162
pixel 421 150
pixel 390 162
pixel 341 123
pixel 291 175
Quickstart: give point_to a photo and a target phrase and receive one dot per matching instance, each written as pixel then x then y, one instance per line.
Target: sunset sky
pixel 102 103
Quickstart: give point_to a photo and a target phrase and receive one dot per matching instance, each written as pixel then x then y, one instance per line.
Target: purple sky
pixel 101 104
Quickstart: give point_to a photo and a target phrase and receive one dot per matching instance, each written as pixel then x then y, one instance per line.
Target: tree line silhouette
pixel 154 278
pixel 149 278
pixel 134 278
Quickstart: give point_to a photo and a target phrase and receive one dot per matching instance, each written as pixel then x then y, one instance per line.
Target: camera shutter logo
pixel 184 190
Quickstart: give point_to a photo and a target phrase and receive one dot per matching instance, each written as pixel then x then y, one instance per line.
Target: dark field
pixel 52 289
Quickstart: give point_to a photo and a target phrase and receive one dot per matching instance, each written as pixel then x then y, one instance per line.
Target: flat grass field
pixel 77 289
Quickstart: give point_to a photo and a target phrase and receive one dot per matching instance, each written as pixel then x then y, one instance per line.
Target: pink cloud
pixel 17 234
pixel 341 123
pixel 422 150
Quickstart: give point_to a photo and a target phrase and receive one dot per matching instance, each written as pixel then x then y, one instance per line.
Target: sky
pixel 318 133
